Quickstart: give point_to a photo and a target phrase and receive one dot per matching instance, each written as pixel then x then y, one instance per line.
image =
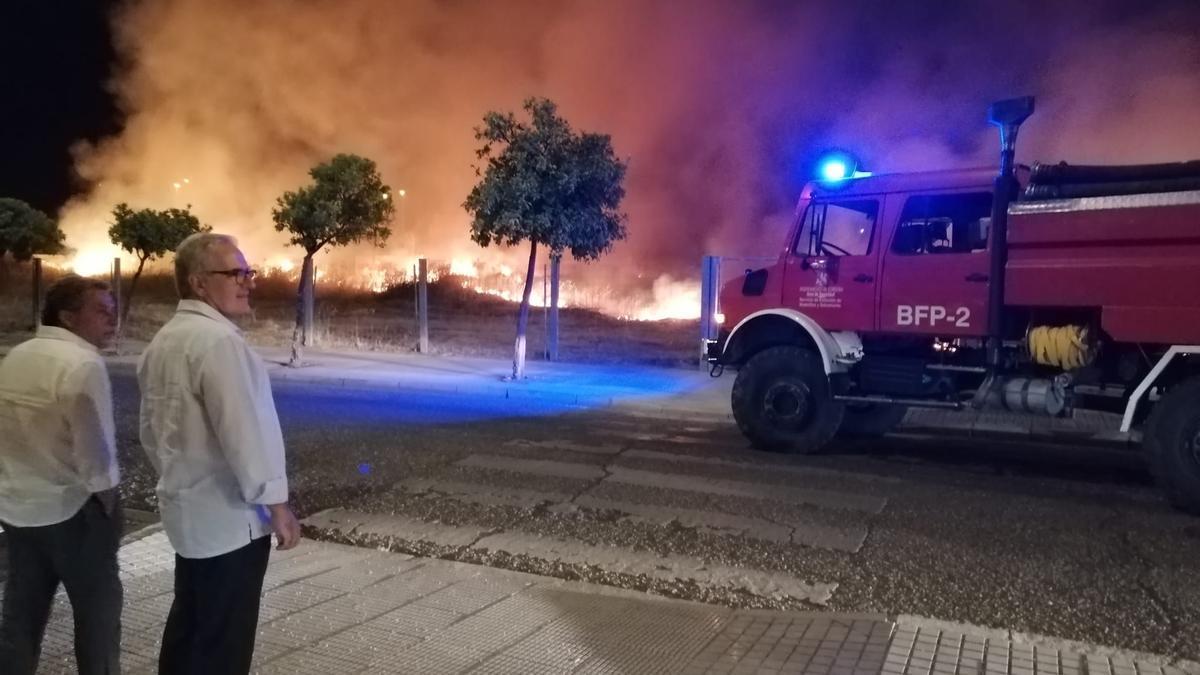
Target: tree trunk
pixel 299 335
pixel 523 316
pixel 128 299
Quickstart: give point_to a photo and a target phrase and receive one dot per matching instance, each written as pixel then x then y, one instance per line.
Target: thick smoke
pixel 721 107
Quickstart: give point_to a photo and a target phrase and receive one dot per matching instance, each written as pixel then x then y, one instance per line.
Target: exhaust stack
pixel 1008 115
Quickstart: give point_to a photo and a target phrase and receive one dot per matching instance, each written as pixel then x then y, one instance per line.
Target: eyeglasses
pixel 242 274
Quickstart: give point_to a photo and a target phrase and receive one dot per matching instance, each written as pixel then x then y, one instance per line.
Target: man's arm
pixel 88 401
pixel 247 428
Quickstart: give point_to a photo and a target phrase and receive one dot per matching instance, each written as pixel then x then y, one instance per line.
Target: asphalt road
pixel 1040 539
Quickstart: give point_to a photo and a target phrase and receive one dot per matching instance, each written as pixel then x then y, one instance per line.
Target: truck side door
pixel 831 270
pixel 935 269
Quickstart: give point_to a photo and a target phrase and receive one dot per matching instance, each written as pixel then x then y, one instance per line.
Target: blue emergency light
pixel 837 165
pixel 834 169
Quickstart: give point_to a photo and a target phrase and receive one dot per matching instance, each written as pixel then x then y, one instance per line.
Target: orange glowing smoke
pixel 716 104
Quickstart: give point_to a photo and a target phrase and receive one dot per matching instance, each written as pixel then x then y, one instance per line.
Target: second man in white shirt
pixel 58 479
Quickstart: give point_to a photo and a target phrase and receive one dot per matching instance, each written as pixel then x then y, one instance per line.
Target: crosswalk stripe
pixel 616 559
pixel 402 527
pixel 809 471
pixel 606 449
pixel 624 560
pixel 788 494
pixel 660 437
pixel 732 488
pixel 540 467
pixel 717 523
pixel 848 539
pixel 486 495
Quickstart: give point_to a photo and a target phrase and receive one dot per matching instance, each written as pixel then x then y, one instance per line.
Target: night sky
pixel 55 60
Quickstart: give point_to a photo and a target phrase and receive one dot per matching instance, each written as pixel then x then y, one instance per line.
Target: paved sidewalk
pixel 330 609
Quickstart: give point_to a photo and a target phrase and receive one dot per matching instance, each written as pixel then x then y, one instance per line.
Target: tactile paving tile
pixel 309 662
pixel 504 664
pixel 366 573
pixel 410 585
pixel 365 644
pixel 756 641
pixel 470 595
pixel 414 621
pixel 294 597
pixel 147 555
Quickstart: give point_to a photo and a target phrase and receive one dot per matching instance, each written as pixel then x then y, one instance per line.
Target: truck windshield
pixel 838 228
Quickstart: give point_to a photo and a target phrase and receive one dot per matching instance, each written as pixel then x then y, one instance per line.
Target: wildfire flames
pixel 668 299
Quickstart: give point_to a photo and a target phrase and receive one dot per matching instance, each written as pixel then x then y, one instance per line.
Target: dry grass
pixel 461 322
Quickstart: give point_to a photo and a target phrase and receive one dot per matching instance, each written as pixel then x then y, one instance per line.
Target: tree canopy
pixel 150 234
pixel 26 231
pixel 546 184
pixel 347 203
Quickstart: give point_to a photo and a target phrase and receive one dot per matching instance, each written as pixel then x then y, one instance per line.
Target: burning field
pixel 374 310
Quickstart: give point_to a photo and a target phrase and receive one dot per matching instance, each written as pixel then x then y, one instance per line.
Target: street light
pixel 402 192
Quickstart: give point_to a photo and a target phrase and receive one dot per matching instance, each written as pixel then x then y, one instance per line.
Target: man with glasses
pixel 209 425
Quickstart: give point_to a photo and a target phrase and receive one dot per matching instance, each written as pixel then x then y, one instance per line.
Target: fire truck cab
pixel 1042 290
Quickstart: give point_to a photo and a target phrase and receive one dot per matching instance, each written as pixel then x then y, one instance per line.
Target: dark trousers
pixel 81 553
pixel 214 617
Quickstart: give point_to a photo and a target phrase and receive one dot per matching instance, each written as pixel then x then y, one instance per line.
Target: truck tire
pixel 1172 439
pixel 782 401
pixel 871 420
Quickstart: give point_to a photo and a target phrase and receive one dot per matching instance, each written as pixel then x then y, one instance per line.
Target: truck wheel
pixel 782 402
pixel 871 420
pixel 1172 438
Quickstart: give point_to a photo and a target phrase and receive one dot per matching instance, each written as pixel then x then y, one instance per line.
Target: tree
pixel 149 234
pixel 347 203
pixel 548 185
pixel 25 231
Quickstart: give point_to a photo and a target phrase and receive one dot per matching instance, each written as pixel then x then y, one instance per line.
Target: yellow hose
pixel 1065 347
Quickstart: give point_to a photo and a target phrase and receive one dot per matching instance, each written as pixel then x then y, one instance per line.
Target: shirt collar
pixel 56 333
pixel 205 309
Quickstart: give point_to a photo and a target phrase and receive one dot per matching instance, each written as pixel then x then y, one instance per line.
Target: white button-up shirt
pixel 209 425
pixel 56 429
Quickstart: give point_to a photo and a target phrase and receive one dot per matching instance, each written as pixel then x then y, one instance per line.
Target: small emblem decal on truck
pixel 932 315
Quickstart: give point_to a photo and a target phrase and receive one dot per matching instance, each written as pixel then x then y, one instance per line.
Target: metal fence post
pixel 115 283
pixel 423 305
pixel 37 293
pixel 710 272
pixel 552 341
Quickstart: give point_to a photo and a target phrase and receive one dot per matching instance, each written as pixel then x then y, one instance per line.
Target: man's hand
pixel 285 525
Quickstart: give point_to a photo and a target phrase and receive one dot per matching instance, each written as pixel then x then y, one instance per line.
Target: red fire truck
pixel 1042 289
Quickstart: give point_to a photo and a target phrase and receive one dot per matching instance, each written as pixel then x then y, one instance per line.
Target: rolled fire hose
pixel 1066 347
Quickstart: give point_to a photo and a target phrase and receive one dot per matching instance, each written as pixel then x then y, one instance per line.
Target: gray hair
pixel 192 255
